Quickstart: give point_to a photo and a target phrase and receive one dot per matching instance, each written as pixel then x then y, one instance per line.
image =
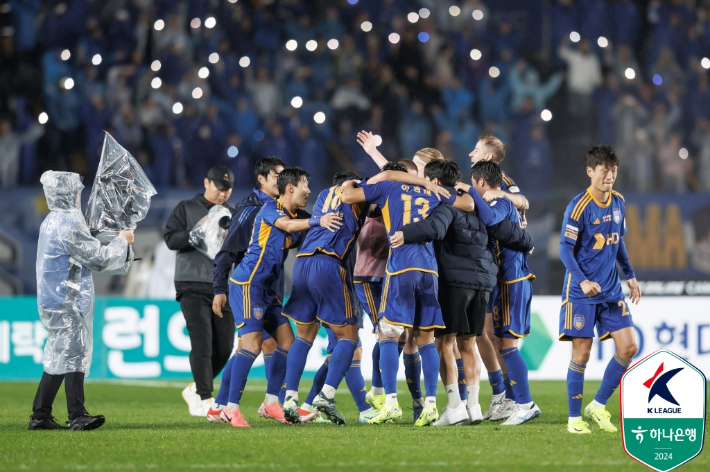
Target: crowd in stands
pixel 188 84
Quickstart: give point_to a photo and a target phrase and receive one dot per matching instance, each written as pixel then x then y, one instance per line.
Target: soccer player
pixel 591 244
pixel 233 250
pixel 251 294
pixel 502 403
pixel 410 292
pixel 467 275
pixel 511 299
pixel 319 268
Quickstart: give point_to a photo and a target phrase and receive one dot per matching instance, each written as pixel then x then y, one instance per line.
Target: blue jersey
pixel 512 265
pixel 592 231
pixel 338 243
pixel 508 184
pixel 402 204
pixel 263 262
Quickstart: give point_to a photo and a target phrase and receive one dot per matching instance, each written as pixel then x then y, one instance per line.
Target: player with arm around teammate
pixel 591 244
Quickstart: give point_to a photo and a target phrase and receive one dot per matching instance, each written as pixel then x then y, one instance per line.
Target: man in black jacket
pixel 467 275
pixel 211 335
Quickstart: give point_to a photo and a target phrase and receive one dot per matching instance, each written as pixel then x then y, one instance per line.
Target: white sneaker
pixel 504 410
pixel 452 416
pixel 193 400
pixel 522 415
pixel 204 407
pixel 474 414
pixel 496 402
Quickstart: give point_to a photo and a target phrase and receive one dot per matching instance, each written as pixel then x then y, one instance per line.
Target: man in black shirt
pixel 211 335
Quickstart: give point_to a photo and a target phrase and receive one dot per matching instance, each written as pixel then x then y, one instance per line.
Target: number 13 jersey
pixel 402 204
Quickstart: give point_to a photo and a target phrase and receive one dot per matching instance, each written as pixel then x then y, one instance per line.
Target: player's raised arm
pixel 330 221
pixel 517 199
pixel 367 141
pixel 351 193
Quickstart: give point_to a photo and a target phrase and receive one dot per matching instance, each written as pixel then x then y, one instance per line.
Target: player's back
pixel 512 265
pixel 593 229
pixel 335 243
pixel 267 250
pixel 402 204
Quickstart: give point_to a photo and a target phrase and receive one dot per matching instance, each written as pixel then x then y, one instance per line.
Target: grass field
pixel 148 427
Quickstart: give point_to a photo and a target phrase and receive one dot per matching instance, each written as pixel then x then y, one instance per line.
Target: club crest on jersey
pixel 578 322
pixel 258 312
pixel 617 215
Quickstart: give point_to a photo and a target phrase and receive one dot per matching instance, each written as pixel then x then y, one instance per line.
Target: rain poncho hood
pixel 66 255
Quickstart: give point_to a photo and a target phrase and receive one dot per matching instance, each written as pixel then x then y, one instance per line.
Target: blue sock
pixel 496 381
pixel 400 347
pixel 240 371
pixel 518 375
pixel 509 395
pixel 278 371
pixel 389 363
pixel 413 373
pixel 223 394
pixel 430 365
pixel 462 379
pixel 575 388
pixel 267 365
pixel 356 384
pixel 612 376
pixel 340 362
pixel 296 362
pixel 376 372
pixel 318 381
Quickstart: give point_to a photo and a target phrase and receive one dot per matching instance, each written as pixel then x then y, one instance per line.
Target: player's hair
pixel 394 166
pixel 264 166
pixel 448 172
pixel 341 177
pixel 429 154
pixel 601 155
pixel 494 146
pixel 290 176
pixel 488 171
pixel 408 165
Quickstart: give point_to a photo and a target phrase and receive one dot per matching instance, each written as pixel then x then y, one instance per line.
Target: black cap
pixel 222 177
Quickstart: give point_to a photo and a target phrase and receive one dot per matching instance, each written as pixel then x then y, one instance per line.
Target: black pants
pixel 47 392
pixel 211 337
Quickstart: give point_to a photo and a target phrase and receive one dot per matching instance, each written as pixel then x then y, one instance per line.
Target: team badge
pixel 578 322
pixel 617 215
pixel 257 311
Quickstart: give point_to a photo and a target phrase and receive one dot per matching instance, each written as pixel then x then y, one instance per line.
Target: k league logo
pixel 663 400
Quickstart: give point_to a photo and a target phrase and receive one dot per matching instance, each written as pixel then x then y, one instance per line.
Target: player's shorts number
pixel 496 313
pixel 423 210
pixel 624 309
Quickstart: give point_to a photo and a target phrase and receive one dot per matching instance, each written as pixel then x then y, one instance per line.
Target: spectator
pixel 525 81
pixel 535 162
pixel 701 140
pixel 583 76
pixel 10 145
pixel 626 21
pixel 624 60
pixel 415 130
pixel 311 154
pixel 264 93
pixel 605 98
pixel 673 166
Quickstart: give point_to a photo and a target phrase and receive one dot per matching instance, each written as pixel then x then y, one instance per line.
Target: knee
pixel 628 352
pixel 581 356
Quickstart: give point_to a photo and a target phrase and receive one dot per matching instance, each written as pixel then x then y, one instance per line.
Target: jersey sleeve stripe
pixel 580 206
pixel 619 195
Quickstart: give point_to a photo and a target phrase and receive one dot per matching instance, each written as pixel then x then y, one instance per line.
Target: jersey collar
pixel 281 206
pixel 600 204
pixel 262 196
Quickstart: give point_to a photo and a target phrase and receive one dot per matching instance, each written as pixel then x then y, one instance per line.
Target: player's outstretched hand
pixel 331 221
pixel 590 288
pixel 367 141
pixel 218 303
pixel 462 186
pixel 128 234
pixel 634 291
pixel 523 220
pixel 437 190
pixel 491 195
pixel 397 239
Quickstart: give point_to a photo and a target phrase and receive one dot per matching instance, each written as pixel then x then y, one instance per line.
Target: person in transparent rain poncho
pixel 66 256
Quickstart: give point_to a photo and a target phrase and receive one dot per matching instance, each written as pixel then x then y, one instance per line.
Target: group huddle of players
pixel 353 248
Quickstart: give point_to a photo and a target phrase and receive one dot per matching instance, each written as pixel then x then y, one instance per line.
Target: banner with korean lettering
pixel 147 339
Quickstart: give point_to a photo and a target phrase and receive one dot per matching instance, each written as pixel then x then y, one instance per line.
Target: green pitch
pixel 149 428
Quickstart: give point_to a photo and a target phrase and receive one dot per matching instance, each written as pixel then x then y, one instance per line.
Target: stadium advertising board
pixel 147 339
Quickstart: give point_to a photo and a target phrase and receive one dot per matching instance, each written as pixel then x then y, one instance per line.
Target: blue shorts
pixel 265 337
pixel 410 299
pixel 577 320
pixel 255 309
pixel 320 291
pixel 510 305
pixel 370 295
pixel 333 340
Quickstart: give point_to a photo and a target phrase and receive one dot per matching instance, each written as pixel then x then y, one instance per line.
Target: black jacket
pixel 193 270
pixel 461 245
